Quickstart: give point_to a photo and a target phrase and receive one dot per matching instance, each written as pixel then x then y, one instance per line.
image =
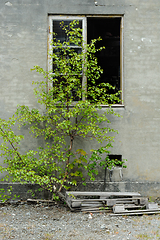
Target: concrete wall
pixel 23 44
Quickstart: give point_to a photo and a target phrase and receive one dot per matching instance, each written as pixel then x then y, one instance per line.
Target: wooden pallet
pixel 132 209
pixel 94 201
pixel 136 212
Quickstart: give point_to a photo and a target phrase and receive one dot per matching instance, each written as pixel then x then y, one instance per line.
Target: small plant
pixel 150 199
pixel 48 236
pixel 73 115
pixel 104 208
pixel 143 236
pixel 5 195
pixel 71 196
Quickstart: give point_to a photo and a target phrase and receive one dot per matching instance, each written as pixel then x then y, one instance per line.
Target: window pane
pixel 73 93
pixel 68 54
pixel 109 58
pixel 61 35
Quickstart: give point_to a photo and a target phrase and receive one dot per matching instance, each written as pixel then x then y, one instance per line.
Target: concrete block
pixel 152 206
pixel 143 201
pixel 118 208
pixel 115 175
pixel 111 202
pixel 76 204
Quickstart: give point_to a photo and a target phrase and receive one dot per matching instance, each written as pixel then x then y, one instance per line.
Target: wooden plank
pixel 97 211
pixel 139 211
pixel 101 199
pixel 106 194
pixel 106 199
pixel 39 200
pixel 133 206
pixel 77 204
pixel 91 205
pixel 89 200
pixel 132 214
pixel 126 202
pixel 93 209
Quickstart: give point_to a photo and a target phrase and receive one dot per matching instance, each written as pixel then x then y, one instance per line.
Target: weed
pixel 143 236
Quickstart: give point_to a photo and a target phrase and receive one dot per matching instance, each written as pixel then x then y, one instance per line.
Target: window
pixel 117 158
pixel 109 28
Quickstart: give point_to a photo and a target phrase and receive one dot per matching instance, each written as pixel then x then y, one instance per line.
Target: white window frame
pixel 84 35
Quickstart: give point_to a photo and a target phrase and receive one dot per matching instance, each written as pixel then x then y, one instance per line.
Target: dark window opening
pixel 116 158
pixel 109 58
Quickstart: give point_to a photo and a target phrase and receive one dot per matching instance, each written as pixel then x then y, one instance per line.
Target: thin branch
pixel 67 163
pixel 15 149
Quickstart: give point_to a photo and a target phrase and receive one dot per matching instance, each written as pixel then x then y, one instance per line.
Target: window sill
pixel 115 106
pixel 103 106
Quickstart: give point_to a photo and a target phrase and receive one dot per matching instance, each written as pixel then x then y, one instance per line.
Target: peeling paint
pixel 9 4
pixel 96 4
pixel 146 40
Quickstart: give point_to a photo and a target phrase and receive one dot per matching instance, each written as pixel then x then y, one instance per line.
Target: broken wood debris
pixel 122 210
pixel 122 203
pixel 40 201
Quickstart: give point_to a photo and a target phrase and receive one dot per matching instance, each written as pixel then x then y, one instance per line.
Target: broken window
pixel 117 159
pixel 110 58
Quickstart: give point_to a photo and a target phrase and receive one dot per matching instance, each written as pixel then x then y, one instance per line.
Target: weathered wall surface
pixel 23 44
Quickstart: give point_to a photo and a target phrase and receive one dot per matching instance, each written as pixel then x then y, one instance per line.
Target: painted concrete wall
pixel 23 44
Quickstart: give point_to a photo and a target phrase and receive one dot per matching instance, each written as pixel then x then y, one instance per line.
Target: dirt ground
pixel 23 222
